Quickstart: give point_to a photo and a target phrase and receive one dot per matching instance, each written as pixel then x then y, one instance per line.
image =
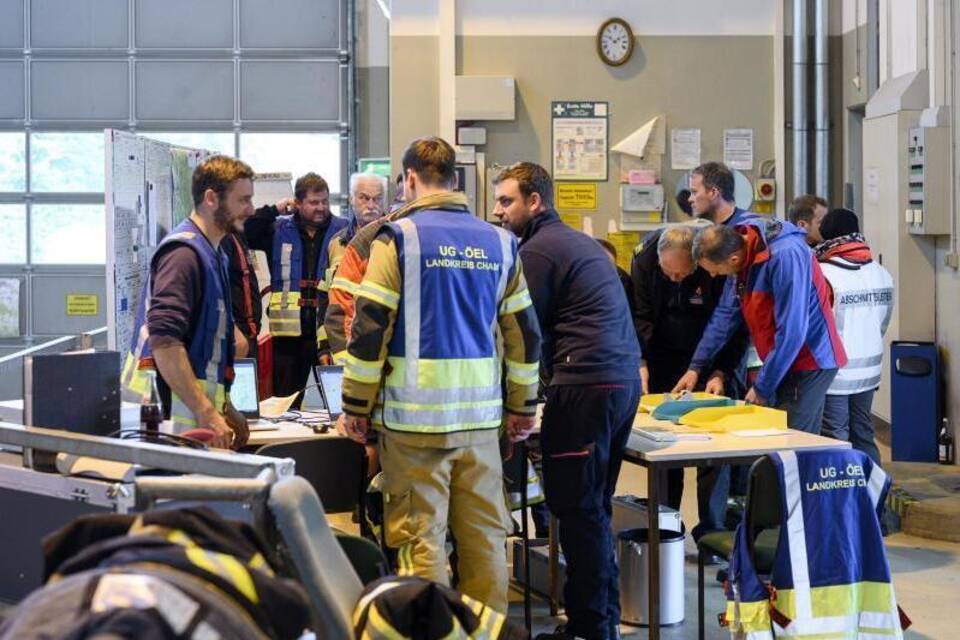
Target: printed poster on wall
pixel 684 148
pixel 580 140
pixel 738 149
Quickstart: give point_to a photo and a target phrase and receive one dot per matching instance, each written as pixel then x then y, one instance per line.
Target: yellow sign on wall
pixel 577 195
pixel 624 242
pixel 573 220
pixel 83 304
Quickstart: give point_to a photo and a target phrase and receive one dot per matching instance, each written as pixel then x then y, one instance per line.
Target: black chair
pixel 763 517
pixel 366 558
pixel 335 467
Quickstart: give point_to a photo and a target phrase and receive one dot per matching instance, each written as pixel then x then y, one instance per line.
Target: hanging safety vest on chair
pixel 210 348
pixel 830 576
pixel 444 371
pixel 286 275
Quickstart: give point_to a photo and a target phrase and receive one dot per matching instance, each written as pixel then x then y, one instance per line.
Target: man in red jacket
pixel 777 288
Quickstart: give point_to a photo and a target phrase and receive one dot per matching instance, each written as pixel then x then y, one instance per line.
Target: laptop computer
pixel 244 394
pixel 330 385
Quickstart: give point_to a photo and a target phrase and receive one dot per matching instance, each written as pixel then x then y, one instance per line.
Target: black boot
pixel 560 633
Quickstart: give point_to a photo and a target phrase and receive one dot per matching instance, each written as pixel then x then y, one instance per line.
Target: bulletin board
pixel 147 193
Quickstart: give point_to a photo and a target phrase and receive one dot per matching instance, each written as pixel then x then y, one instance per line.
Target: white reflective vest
pixel 862 307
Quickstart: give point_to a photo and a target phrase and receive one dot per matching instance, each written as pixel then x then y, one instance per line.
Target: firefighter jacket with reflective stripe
pixel 352 265
pixel 830 576
pixel 395 608
pixel 225 557
pixel 862 307
pixel 427 318
pixel 210 349
pixel 287 272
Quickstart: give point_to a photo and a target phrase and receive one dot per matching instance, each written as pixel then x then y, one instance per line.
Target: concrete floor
pixel 926 577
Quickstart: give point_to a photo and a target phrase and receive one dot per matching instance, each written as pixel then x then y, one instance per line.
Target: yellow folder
pixel 737 418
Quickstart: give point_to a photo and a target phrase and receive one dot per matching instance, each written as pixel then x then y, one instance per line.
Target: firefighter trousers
pixel 427 487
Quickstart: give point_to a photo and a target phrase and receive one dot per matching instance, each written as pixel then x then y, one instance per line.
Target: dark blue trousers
pixel 585 431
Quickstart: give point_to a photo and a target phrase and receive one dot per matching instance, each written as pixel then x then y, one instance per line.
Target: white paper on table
pixel 759 433
pixel 274 406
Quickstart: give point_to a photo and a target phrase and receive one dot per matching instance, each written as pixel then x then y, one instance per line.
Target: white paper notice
pixel 684 148
pixel 738 148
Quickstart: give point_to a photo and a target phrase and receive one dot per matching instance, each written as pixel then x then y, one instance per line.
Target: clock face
pixel 615 42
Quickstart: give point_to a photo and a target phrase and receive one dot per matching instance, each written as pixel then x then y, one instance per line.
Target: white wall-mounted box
pixel 485 98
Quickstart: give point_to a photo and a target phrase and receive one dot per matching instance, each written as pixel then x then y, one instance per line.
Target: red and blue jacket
pixel 784 299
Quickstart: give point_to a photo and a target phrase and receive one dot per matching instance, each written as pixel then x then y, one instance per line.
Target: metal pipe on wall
pixel 799 112
pixel 821 105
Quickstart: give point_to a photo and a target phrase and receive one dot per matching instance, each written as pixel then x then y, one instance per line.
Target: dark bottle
pixel 151 414
pixel 945 448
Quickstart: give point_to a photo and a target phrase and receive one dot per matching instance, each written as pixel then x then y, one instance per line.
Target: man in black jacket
pixel 590 360
pixel 296 247
pixel 674 299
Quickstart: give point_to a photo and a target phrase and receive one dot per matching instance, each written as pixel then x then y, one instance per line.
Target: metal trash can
pixel 634 561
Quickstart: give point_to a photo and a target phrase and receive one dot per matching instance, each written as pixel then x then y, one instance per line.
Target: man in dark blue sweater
pixel 590 362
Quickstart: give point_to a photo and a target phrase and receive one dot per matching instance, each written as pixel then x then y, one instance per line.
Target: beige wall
pixel 696 81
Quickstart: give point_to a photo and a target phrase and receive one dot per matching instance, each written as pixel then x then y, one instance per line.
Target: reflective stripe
pixel 749 617
pixel 516 302
pixel 379 421
pixel 847 385
pixel 286 250
pixel 859 363
pixel 405 566
pixel 443 417
pixel 523 372
pixel 852 626
pixel 283 314
pixel 377 293
pixel 383 629
pixel 216 357
pixel 227 567
pixel 876 484
pixel 344 284
pixel 796 535
pixel 411 293
pixel 506 264
pixel 181 415
pixel 340 357
pixel 368 371
pixel 368 598
pixel 441 396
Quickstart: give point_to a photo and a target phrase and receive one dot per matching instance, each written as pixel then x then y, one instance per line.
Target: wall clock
pixel 615 42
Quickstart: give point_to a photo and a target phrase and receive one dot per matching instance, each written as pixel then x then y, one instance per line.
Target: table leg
pixel 554 553
pixel 522 450
pixel 653 512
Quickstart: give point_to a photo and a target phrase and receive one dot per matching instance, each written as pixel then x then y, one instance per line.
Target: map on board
pixel 147 194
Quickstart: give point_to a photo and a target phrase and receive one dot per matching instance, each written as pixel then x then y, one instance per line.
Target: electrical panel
pixel 640 206
pixel 928 175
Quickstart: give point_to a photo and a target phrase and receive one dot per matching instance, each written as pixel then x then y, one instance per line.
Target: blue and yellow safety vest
pixel 444 370
pixel 830 576
pixel 286 275
pixel 210 348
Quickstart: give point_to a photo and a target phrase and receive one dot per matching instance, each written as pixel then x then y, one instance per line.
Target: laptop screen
pixel 331 381
pixel 243 391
